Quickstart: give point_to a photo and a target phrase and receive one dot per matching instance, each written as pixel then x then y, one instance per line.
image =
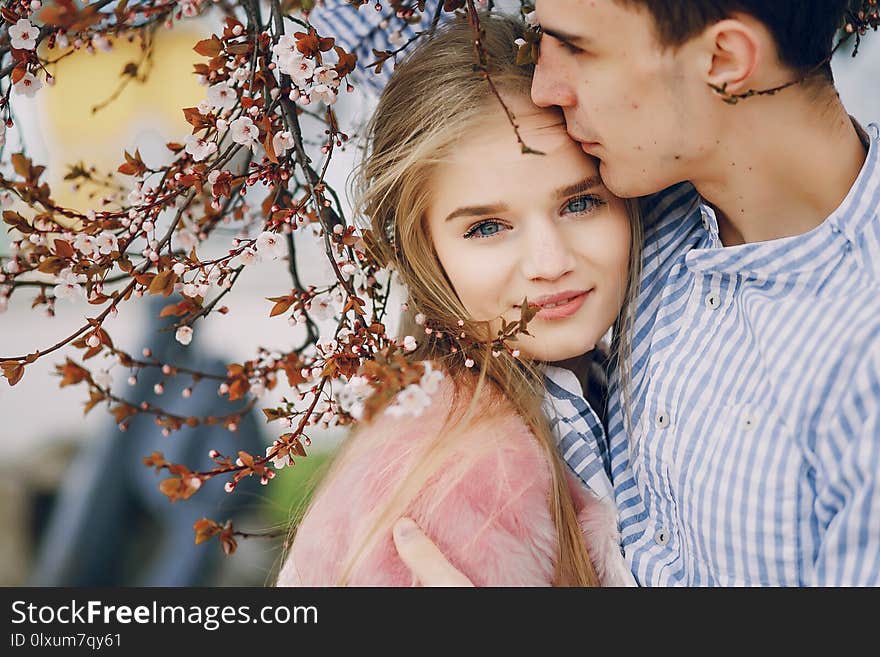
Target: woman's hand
pixel 423 558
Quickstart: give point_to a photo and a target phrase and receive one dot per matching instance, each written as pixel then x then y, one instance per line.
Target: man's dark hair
pixel 804 29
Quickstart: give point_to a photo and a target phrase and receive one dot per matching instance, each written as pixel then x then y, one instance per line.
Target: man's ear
pixel 734 48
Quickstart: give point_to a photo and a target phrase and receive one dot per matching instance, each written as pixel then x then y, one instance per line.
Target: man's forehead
pixel 580 18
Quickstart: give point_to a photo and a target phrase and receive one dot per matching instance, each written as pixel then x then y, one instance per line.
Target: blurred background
pixel 78 507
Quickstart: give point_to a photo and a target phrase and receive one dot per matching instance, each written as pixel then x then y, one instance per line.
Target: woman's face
pixel 508 226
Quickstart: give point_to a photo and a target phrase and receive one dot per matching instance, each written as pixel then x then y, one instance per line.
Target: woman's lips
pixel 565 310
pixel 589 146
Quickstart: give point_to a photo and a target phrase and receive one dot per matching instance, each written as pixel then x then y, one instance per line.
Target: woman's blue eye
pixel 582 204
pixel 485 229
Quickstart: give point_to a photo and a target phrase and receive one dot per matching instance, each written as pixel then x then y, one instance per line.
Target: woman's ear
pixel 734 48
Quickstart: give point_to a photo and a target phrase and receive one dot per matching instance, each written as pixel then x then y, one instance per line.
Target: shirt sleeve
pixel 848 502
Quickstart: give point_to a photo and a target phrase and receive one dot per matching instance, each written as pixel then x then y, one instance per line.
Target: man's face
pixel 638 108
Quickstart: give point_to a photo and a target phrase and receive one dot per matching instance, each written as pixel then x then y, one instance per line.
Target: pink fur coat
pixel 493 524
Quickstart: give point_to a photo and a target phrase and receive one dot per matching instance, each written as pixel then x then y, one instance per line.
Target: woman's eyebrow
pixel 475 210
pixel 584 185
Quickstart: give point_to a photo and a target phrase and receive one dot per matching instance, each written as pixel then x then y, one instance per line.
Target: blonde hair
pixel 437 96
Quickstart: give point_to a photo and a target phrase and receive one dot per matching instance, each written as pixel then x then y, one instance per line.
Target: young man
pixel 747 451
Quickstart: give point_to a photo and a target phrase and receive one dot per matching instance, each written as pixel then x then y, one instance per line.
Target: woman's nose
pixel 546 255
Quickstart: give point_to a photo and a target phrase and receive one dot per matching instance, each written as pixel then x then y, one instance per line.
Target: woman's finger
pixel 423 558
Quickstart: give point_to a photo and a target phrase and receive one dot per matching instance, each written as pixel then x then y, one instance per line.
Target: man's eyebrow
pixel 475 210
pixel 570 39
pixel 584 185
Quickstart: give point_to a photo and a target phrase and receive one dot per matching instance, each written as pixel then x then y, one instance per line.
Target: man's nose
pixel 548 84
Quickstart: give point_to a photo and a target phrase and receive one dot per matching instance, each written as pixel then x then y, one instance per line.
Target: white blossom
pixel 23 35
pixel 282 142
pixel 322 308
pixel 271 246
pixel 299 68
pixel 326 75
pixel 279 462
pixel 85 244
pixel 409 343
pixel 186 239
pixel 323 93
pixel 412 400
pixel 431 379
pixel 246 258
pixel 221 96
pixel 286 47
pixel 199 148
pixel 102 43
pixel 68 285
pixel 352 396
pixel 189 8
pixel 532 19
pixel 241 74
pixel 28 85
pixel 184 335
pixel 136 196
pixel 106 243
pixel 103 378
pixel 244 131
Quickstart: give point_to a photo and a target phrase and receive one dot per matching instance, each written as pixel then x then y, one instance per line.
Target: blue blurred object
pixel 110 524
pixel 359 31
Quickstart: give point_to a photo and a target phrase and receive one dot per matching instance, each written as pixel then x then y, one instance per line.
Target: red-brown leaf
pixel 64 249
pixel 209 47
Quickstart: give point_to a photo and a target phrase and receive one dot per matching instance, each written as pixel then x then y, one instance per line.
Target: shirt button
pixel 748 422
pixel 662 420
pixel 661 537
pixel 713 300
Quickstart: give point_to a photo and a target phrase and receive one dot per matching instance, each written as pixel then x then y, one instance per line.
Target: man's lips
pixel 583 141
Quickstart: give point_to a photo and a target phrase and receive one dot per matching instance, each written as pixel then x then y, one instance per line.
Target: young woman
pixel 475 226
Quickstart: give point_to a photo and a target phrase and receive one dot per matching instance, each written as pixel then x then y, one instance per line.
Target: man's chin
pixel 625 183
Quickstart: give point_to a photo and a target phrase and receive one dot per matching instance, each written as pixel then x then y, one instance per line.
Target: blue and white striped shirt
pixel 754 454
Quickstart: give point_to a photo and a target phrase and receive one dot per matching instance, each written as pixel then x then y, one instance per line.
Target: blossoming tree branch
pixel 248 163
pixel 265 72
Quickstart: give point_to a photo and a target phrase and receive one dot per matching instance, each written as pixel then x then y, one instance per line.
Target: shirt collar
pixel 564 378
pixel 810 250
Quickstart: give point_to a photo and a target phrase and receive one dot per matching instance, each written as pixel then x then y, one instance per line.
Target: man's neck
pixel 780 170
